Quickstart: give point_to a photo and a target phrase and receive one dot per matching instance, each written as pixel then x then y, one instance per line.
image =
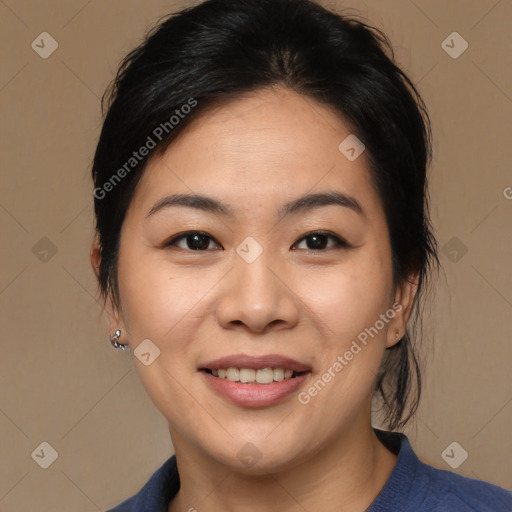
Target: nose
pixel 256 297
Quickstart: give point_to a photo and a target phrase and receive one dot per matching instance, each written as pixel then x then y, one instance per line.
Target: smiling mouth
pixel 253 376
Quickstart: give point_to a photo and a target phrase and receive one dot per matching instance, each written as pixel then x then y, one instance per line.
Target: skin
pixel 254 154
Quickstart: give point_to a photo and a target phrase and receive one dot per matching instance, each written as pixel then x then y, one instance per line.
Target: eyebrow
pixel 299 205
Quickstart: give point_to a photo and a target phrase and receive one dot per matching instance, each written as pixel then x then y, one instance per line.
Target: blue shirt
pixel 413 486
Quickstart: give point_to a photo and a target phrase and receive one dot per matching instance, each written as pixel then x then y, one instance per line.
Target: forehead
pixel 271 144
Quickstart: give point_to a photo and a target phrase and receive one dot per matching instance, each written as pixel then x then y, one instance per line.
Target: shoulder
pixel 451 491
pixel 156 493
pixel 415 485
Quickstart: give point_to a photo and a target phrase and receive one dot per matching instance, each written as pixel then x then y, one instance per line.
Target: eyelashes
pixel 200 238
pixel 199 241
pixel 320 236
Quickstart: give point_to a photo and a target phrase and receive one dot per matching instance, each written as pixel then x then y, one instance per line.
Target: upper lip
pixel 255 362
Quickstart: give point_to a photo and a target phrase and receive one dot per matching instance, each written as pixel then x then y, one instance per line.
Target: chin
pixel 255 456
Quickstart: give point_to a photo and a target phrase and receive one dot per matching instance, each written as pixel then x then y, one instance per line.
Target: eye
pixel 200 241
pixel 191 240
pixel 319 239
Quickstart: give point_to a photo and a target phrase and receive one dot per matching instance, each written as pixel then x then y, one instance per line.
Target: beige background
pixel 62 383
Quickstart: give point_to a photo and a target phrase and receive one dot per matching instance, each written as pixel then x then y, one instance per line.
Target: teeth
pixel 233 374
pixel 265 376
pixel 278 374
pixel 250 375
pixel 247 375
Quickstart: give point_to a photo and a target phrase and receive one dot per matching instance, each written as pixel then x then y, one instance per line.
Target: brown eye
pixel 192 240
pixel 319 240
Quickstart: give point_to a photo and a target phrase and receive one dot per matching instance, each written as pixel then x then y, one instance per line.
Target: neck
pixel 345 475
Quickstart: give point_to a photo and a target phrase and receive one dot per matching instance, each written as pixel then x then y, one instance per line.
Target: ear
pixel 114 317
pixel 402 306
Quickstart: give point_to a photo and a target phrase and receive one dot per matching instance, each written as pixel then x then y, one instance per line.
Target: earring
pixel 397 334
pixel 114 340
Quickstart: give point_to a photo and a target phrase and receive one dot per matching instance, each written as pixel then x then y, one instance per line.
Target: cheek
pixel 349 353
pixel 348 303
pixel 162 302
pixel 167 306
pixel 347 299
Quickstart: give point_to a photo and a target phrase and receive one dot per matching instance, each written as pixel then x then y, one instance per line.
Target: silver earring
pixel 114 340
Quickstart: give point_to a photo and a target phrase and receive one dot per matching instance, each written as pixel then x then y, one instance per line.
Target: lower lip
pixel 255 395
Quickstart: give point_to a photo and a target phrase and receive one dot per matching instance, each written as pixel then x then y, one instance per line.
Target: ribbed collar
pixel 407 485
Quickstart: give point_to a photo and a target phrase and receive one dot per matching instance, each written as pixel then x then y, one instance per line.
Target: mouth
pixel 262 376
pixel 249 380
pixel 255 369
pixel 251 387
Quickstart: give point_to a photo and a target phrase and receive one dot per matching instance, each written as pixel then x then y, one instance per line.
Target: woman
pixel 263 240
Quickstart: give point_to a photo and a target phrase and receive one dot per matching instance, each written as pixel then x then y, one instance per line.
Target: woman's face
pixel 260 283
